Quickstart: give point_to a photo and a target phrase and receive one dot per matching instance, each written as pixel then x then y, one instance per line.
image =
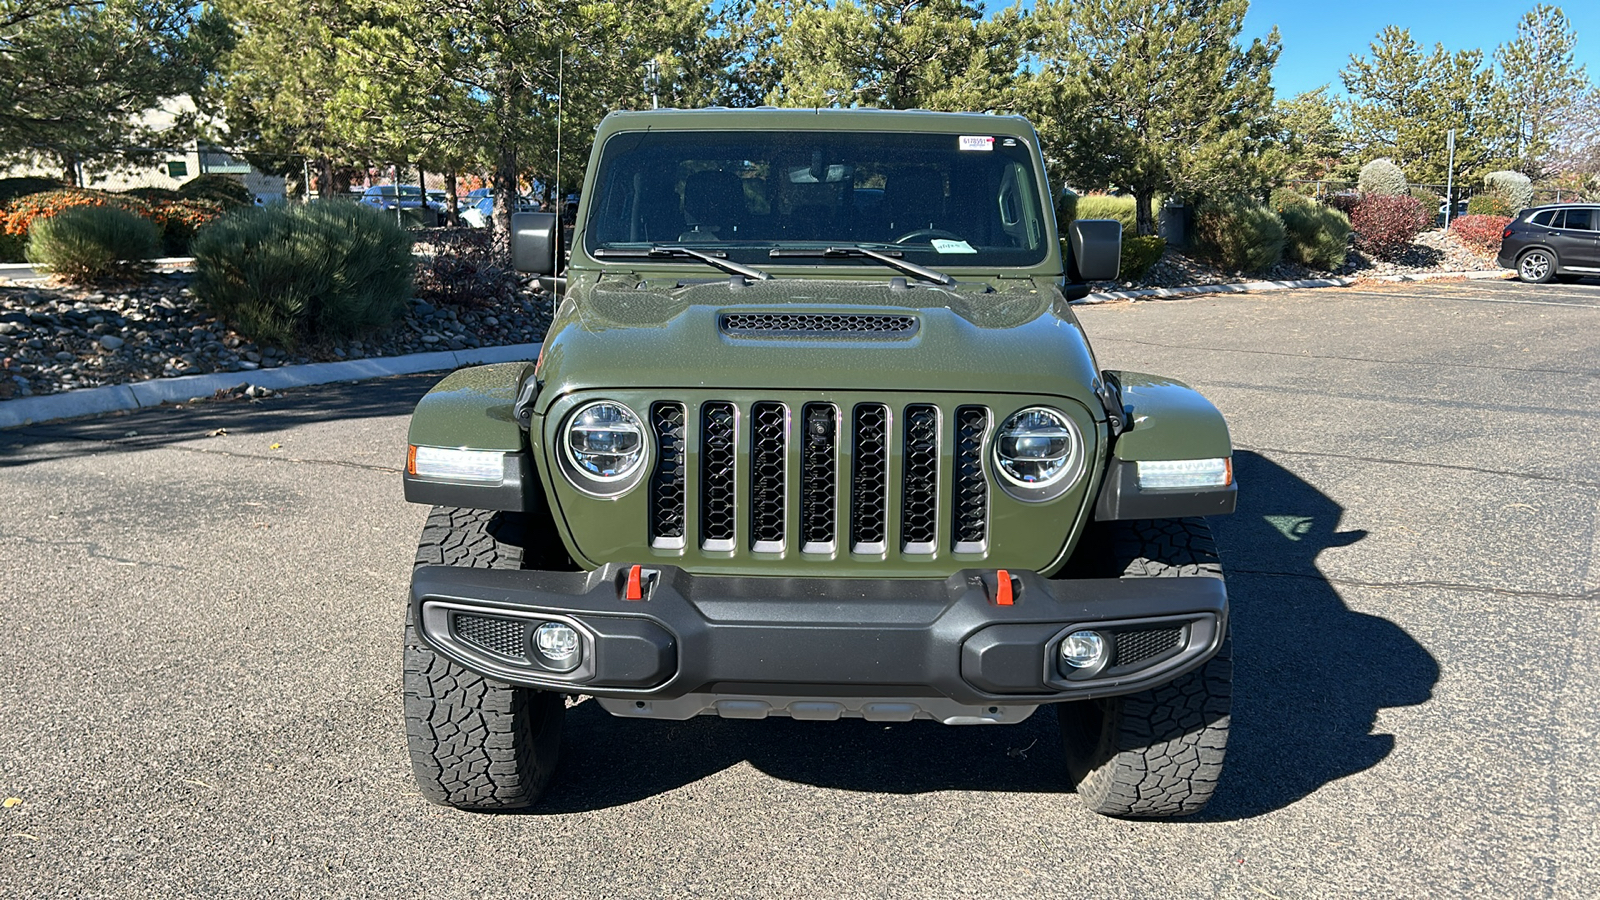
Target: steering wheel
pixel 927 234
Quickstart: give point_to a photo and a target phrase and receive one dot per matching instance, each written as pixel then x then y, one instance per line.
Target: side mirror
pixel 535 242
pixel 1096 249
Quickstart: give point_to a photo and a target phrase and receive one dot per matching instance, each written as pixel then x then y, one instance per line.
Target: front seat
pixel 713 206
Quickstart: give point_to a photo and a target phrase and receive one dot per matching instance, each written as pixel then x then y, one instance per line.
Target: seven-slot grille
pixel 796 458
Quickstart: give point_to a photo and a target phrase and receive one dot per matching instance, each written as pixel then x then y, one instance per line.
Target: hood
pixel 808 334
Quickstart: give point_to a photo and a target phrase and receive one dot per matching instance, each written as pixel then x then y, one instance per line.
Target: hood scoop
pixel 878 326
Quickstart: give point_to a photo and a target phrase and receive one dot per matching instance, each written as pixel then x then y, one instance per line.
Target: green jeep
pixel 815 433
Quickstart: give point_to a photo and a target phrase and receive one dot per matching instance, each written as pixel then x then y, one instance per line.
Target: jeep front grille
pixel 666 482
pixel 762 463
pixel 718 464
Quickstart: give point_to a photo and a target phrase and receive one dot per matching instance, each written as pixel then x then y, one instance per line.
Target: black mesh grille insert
pixel 666 483
pixel 817 479
pixel 971 507
pixel 503 636
pixel 717 453
pixel 769 427
pixel 869 488
pixel 920 504
pixel 778 324
pixel 1138 646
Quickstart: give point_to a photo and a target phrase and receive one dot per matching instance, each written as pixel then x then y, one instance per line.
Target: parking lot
pixel 201 610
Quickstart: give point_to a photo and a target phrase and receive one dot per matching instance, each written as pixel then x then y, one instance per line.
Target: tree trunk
pixel 1144 215
pixel 505 194
pixel 451 216
pixel 325 188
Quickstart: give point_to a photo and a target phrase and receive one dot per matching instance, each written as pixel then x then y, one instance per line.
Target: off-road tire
pixel 1157 753
pixel 475 743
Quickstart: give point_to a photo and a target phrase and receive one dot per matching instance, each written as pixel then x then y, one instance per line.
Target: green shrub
pixel 1315 236
pixel 1513 186
pixel 12 188
pixel 1139 253
pixel 1240 233
pixel 1490 204
pixel 1104 206
pixel 283 273
pixel 85 244
pixel 1284 197
pixel 218 189
pixel 1383 177
pixel 1066 209
pixel 13 248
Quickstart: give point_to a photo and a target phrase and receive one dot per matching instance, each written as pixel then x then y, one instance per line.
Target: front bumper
pixel 721 637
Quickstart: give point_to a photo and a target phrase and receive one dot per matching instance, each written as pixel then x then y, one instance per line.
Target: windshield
pixel 938 199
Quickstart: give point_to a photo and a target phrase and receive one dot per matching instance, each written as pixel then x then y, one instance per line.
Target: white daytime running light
pixel 447 464
pixel 1184 473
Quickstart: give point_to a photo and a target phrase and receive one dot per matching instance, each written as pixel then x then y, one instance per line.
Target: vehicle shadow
pixel 1310 677
pixel 168 424
pixel 1310 673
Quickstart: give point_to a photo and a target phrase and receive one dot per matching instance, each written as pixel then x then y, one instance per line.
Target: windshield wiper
pixel 856 250
pixel 715 260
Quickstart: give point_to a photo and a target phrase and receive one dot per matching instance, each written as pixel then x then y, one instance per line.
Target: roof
pixel 766 118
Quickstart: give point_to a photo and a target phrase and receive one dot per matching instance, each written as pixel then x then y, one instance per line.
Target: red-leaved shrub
pixel 1481 233
pixel 1385 225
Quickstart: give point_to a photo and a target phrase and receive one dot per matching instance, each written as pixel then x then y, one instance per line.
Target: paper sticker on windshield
pixel 947 246
pixel 977 142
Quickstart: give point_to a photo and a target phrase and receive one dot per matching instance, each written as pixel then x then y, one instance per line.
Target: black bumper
pixel 820 637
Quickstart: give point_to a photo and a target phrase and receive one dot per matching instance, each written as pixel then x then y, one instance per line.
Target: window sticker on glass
pixel 976 142
pixel 947 246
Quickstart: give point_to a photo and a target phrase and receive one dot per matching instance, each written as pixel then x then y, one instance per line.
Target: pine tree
pixel 1155 95
pixel 1541 83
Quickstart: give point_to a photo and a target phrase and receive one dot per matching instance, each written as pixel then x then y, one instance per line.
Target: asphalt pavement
pixel 201 610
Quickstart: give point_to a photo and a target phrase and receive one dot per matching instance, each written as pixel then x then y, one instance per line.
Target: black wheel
pixel 475 743
pixel 1536 266
pixel 1159 752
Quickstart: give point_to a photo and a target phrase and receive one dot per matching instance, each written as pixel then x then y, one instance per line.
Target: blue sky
pixel 1318 37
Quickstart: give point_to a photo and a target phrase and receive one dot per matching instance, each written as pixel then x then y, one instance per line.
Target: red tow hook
pixel 635 588
pixel 1002 592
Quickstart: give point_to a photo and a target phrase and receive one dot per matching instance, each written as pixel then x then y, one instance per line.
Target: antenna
pixel 561 62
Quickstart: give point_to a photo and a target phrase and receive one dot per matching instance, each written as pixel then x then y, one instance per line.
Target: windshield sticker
pixel 947 246
pixel 977 142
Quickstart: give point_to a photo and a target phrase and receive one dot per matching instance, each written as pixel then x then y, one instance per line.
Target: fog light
pixel 558 644
pixel 1083 649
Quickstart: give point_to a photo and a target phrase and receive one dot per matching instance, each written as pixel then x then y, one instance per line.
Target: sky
pixel 1318 37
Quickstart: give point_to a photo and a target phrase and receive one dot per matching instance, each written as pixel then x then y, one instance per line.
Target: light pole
pixel 1450 180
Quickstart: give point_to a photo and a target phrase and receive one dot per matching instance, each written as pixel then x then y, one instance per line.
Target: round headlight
pixel 604 443
pixel 1038 452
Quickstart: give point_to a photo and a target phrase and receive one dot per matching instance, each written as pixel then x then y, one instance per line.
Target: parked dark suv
pixel 1560 243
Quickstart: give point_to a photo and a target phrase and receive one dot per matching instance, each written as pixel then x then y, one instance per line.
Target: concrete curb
pixel 1256 287
pixel 25 271
pixel 120 397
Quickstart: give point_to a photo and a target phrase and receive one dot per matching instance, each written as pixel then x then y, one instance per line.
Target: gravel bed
pixel 1433 251
pixel 55 338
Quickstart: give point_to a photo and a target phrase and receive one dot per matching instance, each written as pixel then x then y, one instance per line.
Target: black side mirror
pixel 535 242
pixel 1096 249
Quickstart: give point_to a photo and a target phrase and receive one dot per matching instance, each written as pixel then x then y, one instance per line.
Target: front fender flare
pixel 1167 420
